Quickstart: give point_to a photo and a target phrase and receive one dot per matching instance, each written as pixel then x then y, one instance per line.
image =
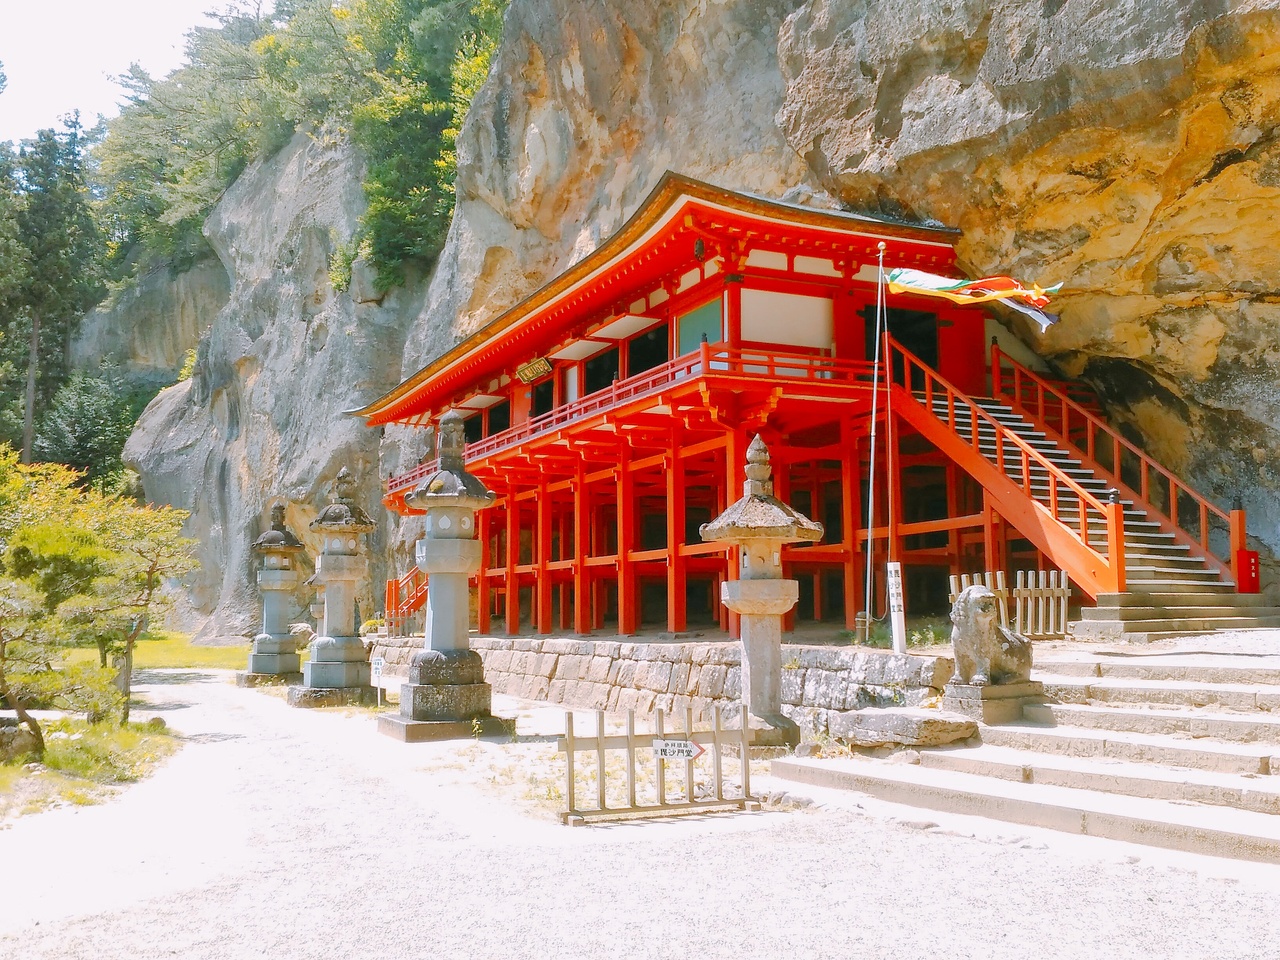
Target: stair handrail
pixel 1110 510
pixel 405 596
pixel 1234 519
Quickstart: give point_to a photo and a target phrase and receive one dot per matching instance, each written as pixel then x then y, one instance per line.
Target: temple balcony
pixel 695 385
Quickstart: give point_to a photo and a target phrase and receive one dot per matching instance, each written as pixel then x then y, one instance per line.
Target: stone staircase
pixel 1171 749
pixel 1172 591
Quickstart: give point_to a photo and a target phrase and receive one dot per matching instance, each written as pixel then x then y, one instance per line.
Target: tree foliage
pixel 397 75
pixel 82 568
pixel 87 424
pixel 46 227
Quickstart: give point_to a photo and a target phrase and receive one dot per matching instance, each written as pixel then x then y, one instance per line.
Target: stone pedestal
pixel 338 658
pixel 274 657
pixel 993 703
pixel 761 605
pixel 759 524
pixel 446 695
pixel 339 663
pixel 448 565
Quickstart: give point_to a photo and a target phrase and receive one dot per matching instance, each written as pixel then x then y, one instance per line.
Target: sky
pixel 59 55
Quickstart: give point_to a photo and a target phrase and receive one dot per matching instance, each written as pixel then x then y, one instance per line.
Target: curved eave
pixel 661 202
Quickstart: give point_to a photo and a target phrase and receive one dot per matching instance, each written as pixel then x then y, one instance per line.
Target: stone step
pixel 1218 756
pixel 1197 828
pixel 1097 626
pixel 1182 693
pixel 1205 611
pixel 1173 600
pixel 1246 791
pixel 1137 572
pixel 1238 728
pixel 1157 586
pixel 1206 668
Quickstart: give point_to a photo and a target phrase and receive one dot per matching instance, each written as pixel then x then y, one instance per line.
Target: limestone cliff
pixel 1127 148
pixel 147 329
pixel 261 417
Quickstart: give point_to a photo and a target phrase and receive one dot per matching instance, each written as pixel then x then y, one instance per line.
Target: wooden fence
pixel 651 798
pixel 1039 600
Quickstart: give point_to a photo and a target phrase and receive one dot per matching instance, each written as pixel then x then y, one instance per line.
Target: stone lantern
pixel 446 695
pixel 275 651
pixel 338 661
pixel 760 524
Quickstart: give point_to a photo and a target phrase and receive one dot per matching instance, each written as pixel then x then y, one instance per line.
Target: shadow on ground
pixel 172 677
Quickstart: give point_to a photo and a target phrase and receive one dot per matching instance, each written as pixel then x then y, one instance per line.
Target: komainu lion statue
pixel 985 651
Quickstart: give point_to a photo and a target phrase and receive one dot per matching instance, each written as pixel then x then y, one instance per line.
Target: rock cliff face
pixel 1128 148
pixel 147 330
pixel 262 416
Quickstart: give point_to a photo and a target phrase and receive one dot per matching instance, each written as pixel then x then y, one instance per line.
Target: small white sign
pixel 897 612
pixel 677 749
pixel 375 669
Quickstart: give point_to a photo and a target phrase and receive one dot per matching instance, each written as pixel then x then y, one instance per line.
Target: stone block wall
pixel 615 675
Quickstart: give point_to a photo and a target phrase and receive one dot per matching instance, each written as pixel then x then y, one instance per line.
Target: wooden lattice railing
pixel 1175 505
pixel 709 360
pixel 955 424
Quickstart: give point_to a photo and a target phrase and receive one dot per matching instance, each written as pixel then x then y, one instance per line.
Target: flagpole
pixel 871 465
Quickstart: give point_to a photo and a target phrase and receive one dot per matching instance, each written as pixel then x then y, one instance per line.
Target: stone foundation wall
pixel 615 675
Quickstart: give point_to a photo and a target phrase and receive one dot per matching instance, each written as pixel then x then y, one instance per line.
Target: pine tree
pixel 62 277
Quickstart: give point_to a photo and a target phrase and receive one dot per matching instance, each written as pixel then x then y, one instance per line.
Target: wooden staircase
pixel 1154 571
pixel 405 597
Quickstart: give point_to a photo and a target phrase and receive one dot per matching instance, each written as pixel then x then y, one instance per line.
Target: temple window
pixel 498 417
pixel 702 321
pixel 600 371
pixel 544 397
pixel 648 350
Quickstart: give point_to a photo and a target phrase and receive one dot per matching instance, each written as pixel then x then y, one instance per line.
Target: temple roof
pixel 658 236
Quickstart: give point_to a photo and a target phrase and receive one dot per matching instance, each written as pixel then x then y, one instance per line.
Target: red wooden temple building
pixel 611 410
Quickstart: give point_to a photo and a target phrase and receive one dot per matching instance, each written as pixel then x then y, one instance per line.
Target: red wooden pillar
pixel 482 575
pixel 782 490
pixel 542 557
pixel 599 589
pixel 735 453
pixel 563 586
pixel 850 514
pixel 733 315
pixel 953 511
pixel 513 557
pixel 894 476
pixel 628 612
pixel 581 534
pixel 674 465
pixel 990 557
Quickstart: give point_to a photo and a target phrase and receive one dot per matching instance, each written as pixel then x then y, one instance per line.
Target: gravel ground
pixel 297 834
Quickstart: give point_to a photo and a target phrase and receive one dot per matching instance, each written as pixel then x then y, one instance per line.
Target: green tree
pixel 147 550
pixel 398 75
pixel 21 654
pixel 87 424
pixel 94 567
pixel 61 241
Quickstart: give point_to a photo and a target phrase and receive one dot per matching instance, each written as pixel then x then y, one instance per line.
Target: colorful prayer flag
pixel 1025 300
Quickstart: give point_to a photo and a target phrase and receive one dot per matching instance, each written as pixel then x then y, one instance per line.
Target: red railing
pixel 934 402
pixel 405 597
pixel 710 360
pixel 1124 465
